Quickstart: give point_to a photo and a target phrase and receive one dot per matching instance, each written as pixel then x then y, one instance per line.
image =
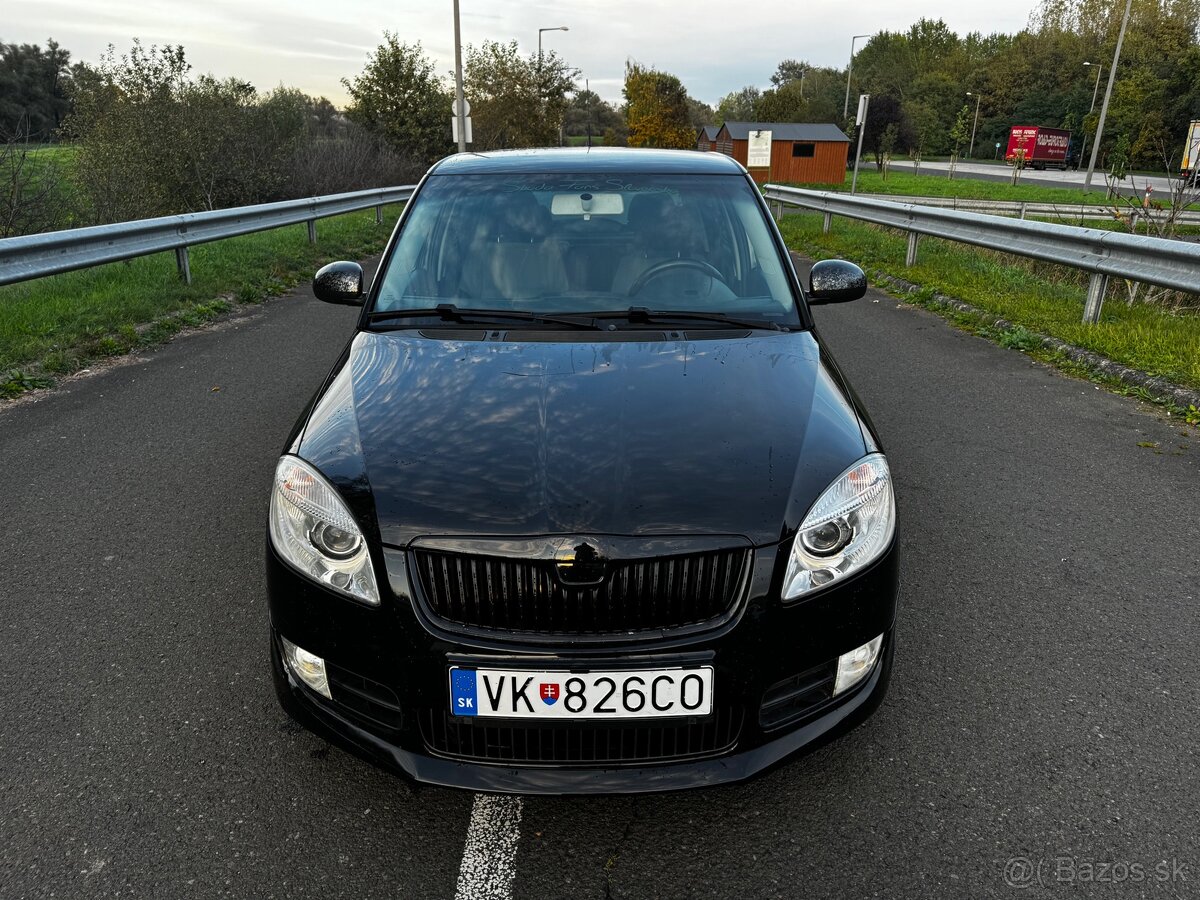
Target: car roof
pixel 577 160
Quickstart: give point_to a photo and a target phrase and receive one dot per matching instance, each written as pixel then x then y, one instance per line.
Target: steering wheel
pixel 666 265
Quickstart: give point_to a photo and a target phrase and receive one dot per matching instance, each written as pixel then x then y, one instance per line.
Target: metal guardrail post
pixel 1022 210
pixel 379 215
pixel 828 223
pixel 183 264
pixel 1097 288
pixel 312 231
pixel 910 258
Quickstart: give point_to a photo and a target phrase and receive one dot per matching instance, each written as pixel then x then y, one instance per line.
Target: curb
pixel 1160 388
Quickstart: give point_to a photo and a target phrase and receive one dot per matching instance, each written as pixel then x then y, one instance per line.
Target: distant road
pixel 983 171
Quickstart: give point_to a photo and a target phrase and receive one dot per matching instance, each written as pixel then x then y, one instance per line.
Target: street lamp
pixel 1092 108
pixel 978 97
pixel 849 69
pixel 540 30
pixel 459 111
pixel 1112 75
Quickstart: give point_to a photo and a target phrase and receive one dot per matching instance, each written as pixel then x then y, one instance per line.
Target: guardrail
pixel 1080 212
pixel 37 255
pixel 1104 254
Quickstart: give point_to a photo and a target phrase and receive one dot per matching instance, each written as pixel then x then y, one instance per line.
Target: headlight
pixel 313 530
pixel 848 527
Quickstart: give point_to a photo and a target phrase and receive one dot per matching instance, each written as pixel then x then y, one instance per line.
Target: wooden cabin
pixel 800 152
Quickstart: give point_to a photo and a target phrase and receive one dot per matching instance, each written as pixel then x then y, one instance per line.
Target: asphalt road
pixel 1044 705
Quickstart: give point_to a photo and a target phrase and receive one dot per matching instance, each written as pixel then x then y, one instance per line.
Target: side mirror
pixel 340 282
pixel 835 281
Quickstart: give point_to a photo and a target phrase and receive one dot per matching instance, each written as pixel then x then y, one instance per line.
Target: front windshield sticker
pixel 609 184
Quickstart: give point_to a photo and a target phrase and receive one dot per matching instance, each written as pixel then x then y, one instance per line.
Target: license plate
pixel 646 694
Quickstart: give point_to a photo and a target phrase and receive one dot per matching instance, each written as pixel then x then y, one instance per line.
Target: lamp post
pixel 1112 75
pixel 1092 108
pixel 458 90
pixel 978 97
pixel 849 69
pixel 540 30
pixel 539 64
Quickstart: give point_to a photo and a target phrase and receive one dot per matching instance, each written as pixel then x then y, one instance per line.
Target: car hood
pixel 439 435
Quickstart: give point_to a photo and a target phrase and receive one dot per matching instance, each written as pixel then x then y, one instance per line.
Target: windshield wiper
pixel 640 314
pixel 449 312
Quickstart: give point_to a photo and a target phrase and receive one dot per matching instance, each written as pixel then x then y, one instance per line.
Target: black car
pixel 585 505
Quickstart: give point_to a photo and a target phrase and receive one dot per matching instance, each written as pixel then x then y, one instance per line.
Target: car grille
pixel 525 596
pixel 585 743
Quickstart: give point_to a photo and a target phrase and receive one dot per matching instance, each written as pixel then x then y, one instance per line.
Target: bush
pixel 154 142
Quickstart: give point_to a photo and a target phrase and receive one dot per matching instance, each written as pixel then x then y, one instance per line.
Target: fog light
pixel 854 666
pixel 310 668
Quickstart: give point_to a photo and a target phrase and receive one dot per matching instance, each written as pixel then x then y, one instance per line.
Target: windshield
pixel 587 244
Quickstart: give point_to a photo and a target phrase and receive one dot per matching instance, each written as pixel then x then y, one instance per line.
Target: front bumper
pixel 390 697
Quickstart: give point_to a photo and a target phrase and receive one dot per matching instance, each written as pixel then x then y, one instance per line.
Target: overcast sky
pixel 714 47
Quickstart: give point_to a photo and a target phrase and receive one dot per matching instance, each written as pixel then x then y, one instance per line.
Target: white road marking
pixel 488 863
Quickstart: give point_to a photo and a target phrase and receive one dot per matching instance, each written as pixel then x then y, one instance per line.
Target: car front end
pixel 523 557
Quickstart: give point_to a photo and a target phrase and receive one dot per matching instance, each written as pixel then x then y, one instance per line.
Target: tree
pixel 657 110
pixel 700 114
pixel 516 101
pixel 884 111
pixel 1118 163
pixel 398 97
pixel 34 89
pixel 31 188
pixel 924 132
pixel 153 140
pixel 887 143
pixel 959 134
pixel 588 114
pixel 738 106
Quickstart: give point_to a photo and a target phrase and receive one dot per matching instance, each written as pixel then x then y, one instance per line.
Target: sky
pixel 714 47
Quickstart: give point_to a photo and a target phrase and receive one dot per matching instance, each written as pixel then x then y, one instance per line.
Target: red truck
pixel 1042 148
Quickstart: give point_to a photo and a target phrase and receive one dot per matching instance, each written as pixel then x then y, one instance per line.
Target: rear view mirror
pixel 340 282
pixel 835 281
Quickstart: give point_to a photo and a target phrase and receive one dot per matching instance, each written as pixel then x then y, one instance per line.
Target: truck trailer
pixel 1041 148
pixel 1191 150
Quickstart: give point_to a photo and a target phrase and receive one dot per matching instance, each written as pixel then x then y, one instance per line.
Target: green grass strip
pixel 60 324
pixel 1036 296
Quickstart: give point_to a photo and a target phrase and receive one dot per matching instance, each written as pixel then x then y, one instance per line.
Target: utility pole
pixel 459 109
pixel 1112 75
pixel 978 97
pixel 1091 109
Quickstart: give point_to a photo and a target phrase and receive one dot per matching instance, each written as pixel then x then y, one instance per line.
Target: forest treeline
pixel 148 136
pixel 919 81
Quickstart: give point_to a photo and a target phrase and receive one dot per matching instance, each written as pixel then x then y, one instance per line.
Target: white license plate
pixel 647 694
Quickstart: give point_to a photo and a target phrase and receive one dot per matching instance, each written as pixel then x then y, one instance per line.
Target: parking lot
pixel 1041 730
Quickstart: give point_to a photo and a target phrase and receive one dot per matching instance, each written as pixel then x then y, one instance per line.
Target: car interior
pixel 578 251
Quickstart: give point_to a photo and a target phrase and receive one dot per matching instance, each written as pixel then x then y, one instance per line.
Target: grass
pixel 58 325
pixel 1033 296
pixel 911 185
